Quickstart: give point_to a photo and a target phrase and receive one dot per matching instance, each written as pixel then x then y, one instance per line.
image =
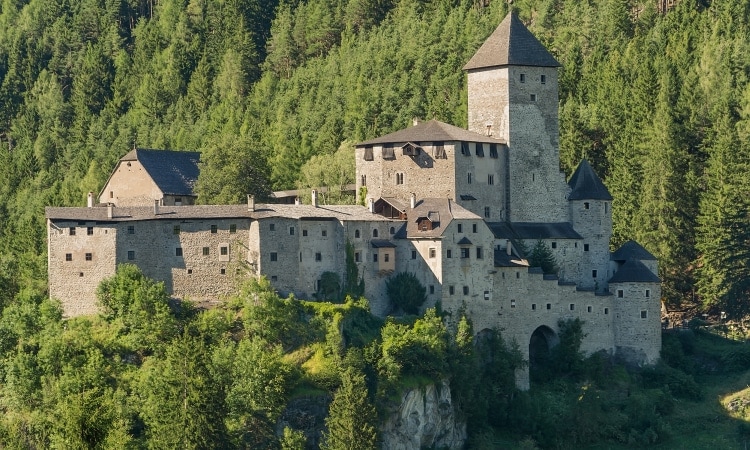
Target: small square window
pixel 304 233
pixel 606 310
pixel 89 256
pixel 572 306
pixel 131 255
pixel 620 293
pixel 232 228
pixel 223 271
pixel 451 290
pixel 274 278
pixel 190 271
pixel 532 97
pixel 80 274
pixel 433 252
pixel 585 247
pixel 318 256
pixel 533 306
pixel 90 231
pixel 206 251
pixel 274 256
pixel 68 257
pixel 291 231
pixel 588 309
pixel 554 245
pixel 432 289
pixel 466 290
pixel 644 314
pixel 131 229
pixel 178 251
pixel 72 231
pixel 223 250
pixel 413 254
pixel 214 229
pixel 549 306
pixel 176 229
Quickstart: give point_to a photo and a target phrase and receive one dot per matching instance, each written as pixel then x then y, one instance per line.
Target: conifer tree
pixel 351 417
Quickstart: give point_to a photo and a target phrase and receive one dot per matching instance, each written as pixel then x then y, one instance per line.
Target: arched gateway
pixel 540 343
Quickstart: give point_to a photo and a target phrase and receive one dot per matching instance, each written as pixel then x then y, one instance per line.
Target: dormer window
pixel 368 153
pixel 411 149
pixel 429 222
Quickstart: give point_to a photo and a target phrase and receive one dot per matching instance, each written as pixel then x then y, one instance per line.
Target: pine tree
pixel 351 417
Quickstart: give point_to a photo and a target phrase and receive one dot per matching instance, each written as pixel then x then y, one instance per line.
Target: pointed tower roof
pixel 585 184
pixel 511 44
pixel 634 271
pixel 632 250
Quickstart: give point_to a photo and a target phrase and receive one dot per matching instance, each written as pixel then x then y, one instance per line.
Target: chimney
pixel 315 198
pixel 296 201
pixel 489 129
pixel 413 201
pixel 90 201
pixel 250 202
pixel 110 213
pixel 156 207
pixel 508 247
pixel 415 121
pixel 371 204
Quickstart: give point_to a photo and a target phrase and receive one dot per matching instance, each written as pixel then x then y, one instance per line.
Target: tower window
pixel 585 247
pixel 451 290
pixel 460 228
pixel 374 257
pixel 356 234
pixel 178 251
pixel 465 252
pixel 433 252
pixel 232 228
pixel 593 273
pixel 465 149
pixel 490 179
pixel 131 229
pixel 473 228
pixel 588 309
pixel 648 293
pixel 586 205
pixel 532 97
pixel 644 314
pixel 572 306
pixel 479 252
pixel 432 289
pixel 357 257
pixel 620 293
pixel 522 78
pixel 606 310
pixel 468 178
pixel 291 231
pixel 549 306
pixel 304 233
pixel 543 79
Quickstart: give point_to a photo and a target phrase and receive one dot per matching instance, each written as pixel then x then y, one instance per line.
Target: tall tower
pixel 512 90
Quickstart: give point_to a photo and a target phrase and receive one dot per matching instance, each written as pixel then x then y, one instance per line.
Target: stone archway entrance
pixel 540 343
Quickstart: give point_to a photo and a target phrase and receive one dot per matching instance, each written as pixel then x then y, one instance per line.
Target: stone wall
pixel 130 185
pixel 592 219
pixel 637 320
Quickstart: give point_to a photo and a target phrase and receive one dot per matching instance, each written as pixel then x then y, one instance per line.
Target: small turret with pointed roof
pixel 585 184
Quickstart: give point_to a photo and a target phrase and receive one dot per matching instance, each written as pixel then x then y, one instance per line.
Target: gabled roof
pixel 432 131
pixel 585 184
pixel 634 271
pixel 464 241
pixel 174 172
pixel 446 209
pixel 511 44
pixel 533 230
pixel 632 250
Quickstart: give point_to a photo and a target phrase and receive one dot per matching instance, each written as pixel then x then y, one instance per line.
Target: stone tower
pixel 589 204
pixel 512 95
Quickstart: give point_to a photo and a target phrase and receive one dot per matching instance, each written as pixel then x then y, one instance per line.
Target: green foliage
pixel 330 287
pixel 352 420
pixel 354 285
pixel 293 439
pixel 541 256
pixel 406 292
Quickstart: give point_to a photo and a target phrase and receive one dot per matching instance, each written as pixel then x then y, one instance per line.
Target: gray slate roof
pixel 634 271
pixel 262 211
pixel 632 250
pixel 511 44
pixel 447 210
pixel 533 230
pixel 432 131
pixel 503 259
pixel 174 172
pixel 382 243
pixel 585 184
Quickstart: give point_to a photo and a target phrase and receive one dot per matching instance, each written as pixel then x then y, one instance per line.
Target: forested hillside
pixel 659 103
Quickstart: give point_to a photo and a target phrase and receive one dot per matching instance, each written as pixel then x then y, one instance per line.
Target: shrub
pixel 406 292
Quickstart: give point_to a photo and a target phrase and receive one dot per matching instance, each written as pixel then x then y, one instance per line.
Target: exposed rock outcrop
pixel 425 418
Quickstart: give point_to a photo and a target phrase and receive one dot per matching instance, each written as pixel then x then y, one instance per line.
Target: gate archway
pixel 541 342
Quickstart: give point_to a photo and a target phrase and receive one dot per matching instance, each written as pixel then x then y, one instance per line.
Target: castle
pixel 455 207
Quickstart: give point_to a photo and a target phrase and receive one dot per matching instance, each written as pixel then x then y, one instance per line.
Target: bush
pixel 406 292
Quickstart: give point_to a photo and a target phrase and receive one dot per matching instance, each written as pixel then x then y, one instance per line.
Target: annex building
pixel 456 207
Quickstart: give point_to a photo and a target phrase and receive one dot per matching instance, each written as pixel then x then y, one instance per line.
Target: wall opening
pixel 541 342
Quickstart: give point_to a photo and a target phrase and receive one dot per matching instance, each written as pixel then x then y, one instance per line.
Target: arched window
pixel 356 234
pixel 393 230
pixel 375 232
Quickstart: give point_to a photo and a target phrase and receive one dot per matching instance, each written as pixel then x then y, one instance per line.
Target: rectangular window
pixel 588 309
pixel 543 79
pixel 223 271
pixel 357 257
pixel 232 228
pixel 324 233
pixel 90 231
pixel 178 251
pixel 364 180
pixel 274 278
pixel 399 178
pixel 465 252
pixel 493 150
pixel 432 252
pixel 620 293
pixel 606 310
pixel 386 257
pixel 490 179
pixel 479 149
pixel 374 257
pixel 439 150
pixel 131 229
pixel 486 295
pixel 214 229
pixel 178 201
pixel 533 306
pixel 593 273
pixel 451 290
pixel 388 153
pixel 644 314
pixel 479 252
pixel 460 228
pixel 586 205
pixel 274 256
pixel 532 97
pixel 585 247
pixel 413 254
pixel 223 250
pixel 466 290
pixel 473 228
pixel 572 306
pixel 176 229
pixel 487 212
pixel 68 257
pixel 465 149
pixel 522 78
pixel 512 303
pixel 206 251
pixel 72 231
pixel 272 226
pixel 89 256
pixel 368 153
pixel 432 289
pixel 648 293
pixel 291 231
pixel 468 177
pixel 318 256
pixel 304 233
pixel 131 255
pixel 554 244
